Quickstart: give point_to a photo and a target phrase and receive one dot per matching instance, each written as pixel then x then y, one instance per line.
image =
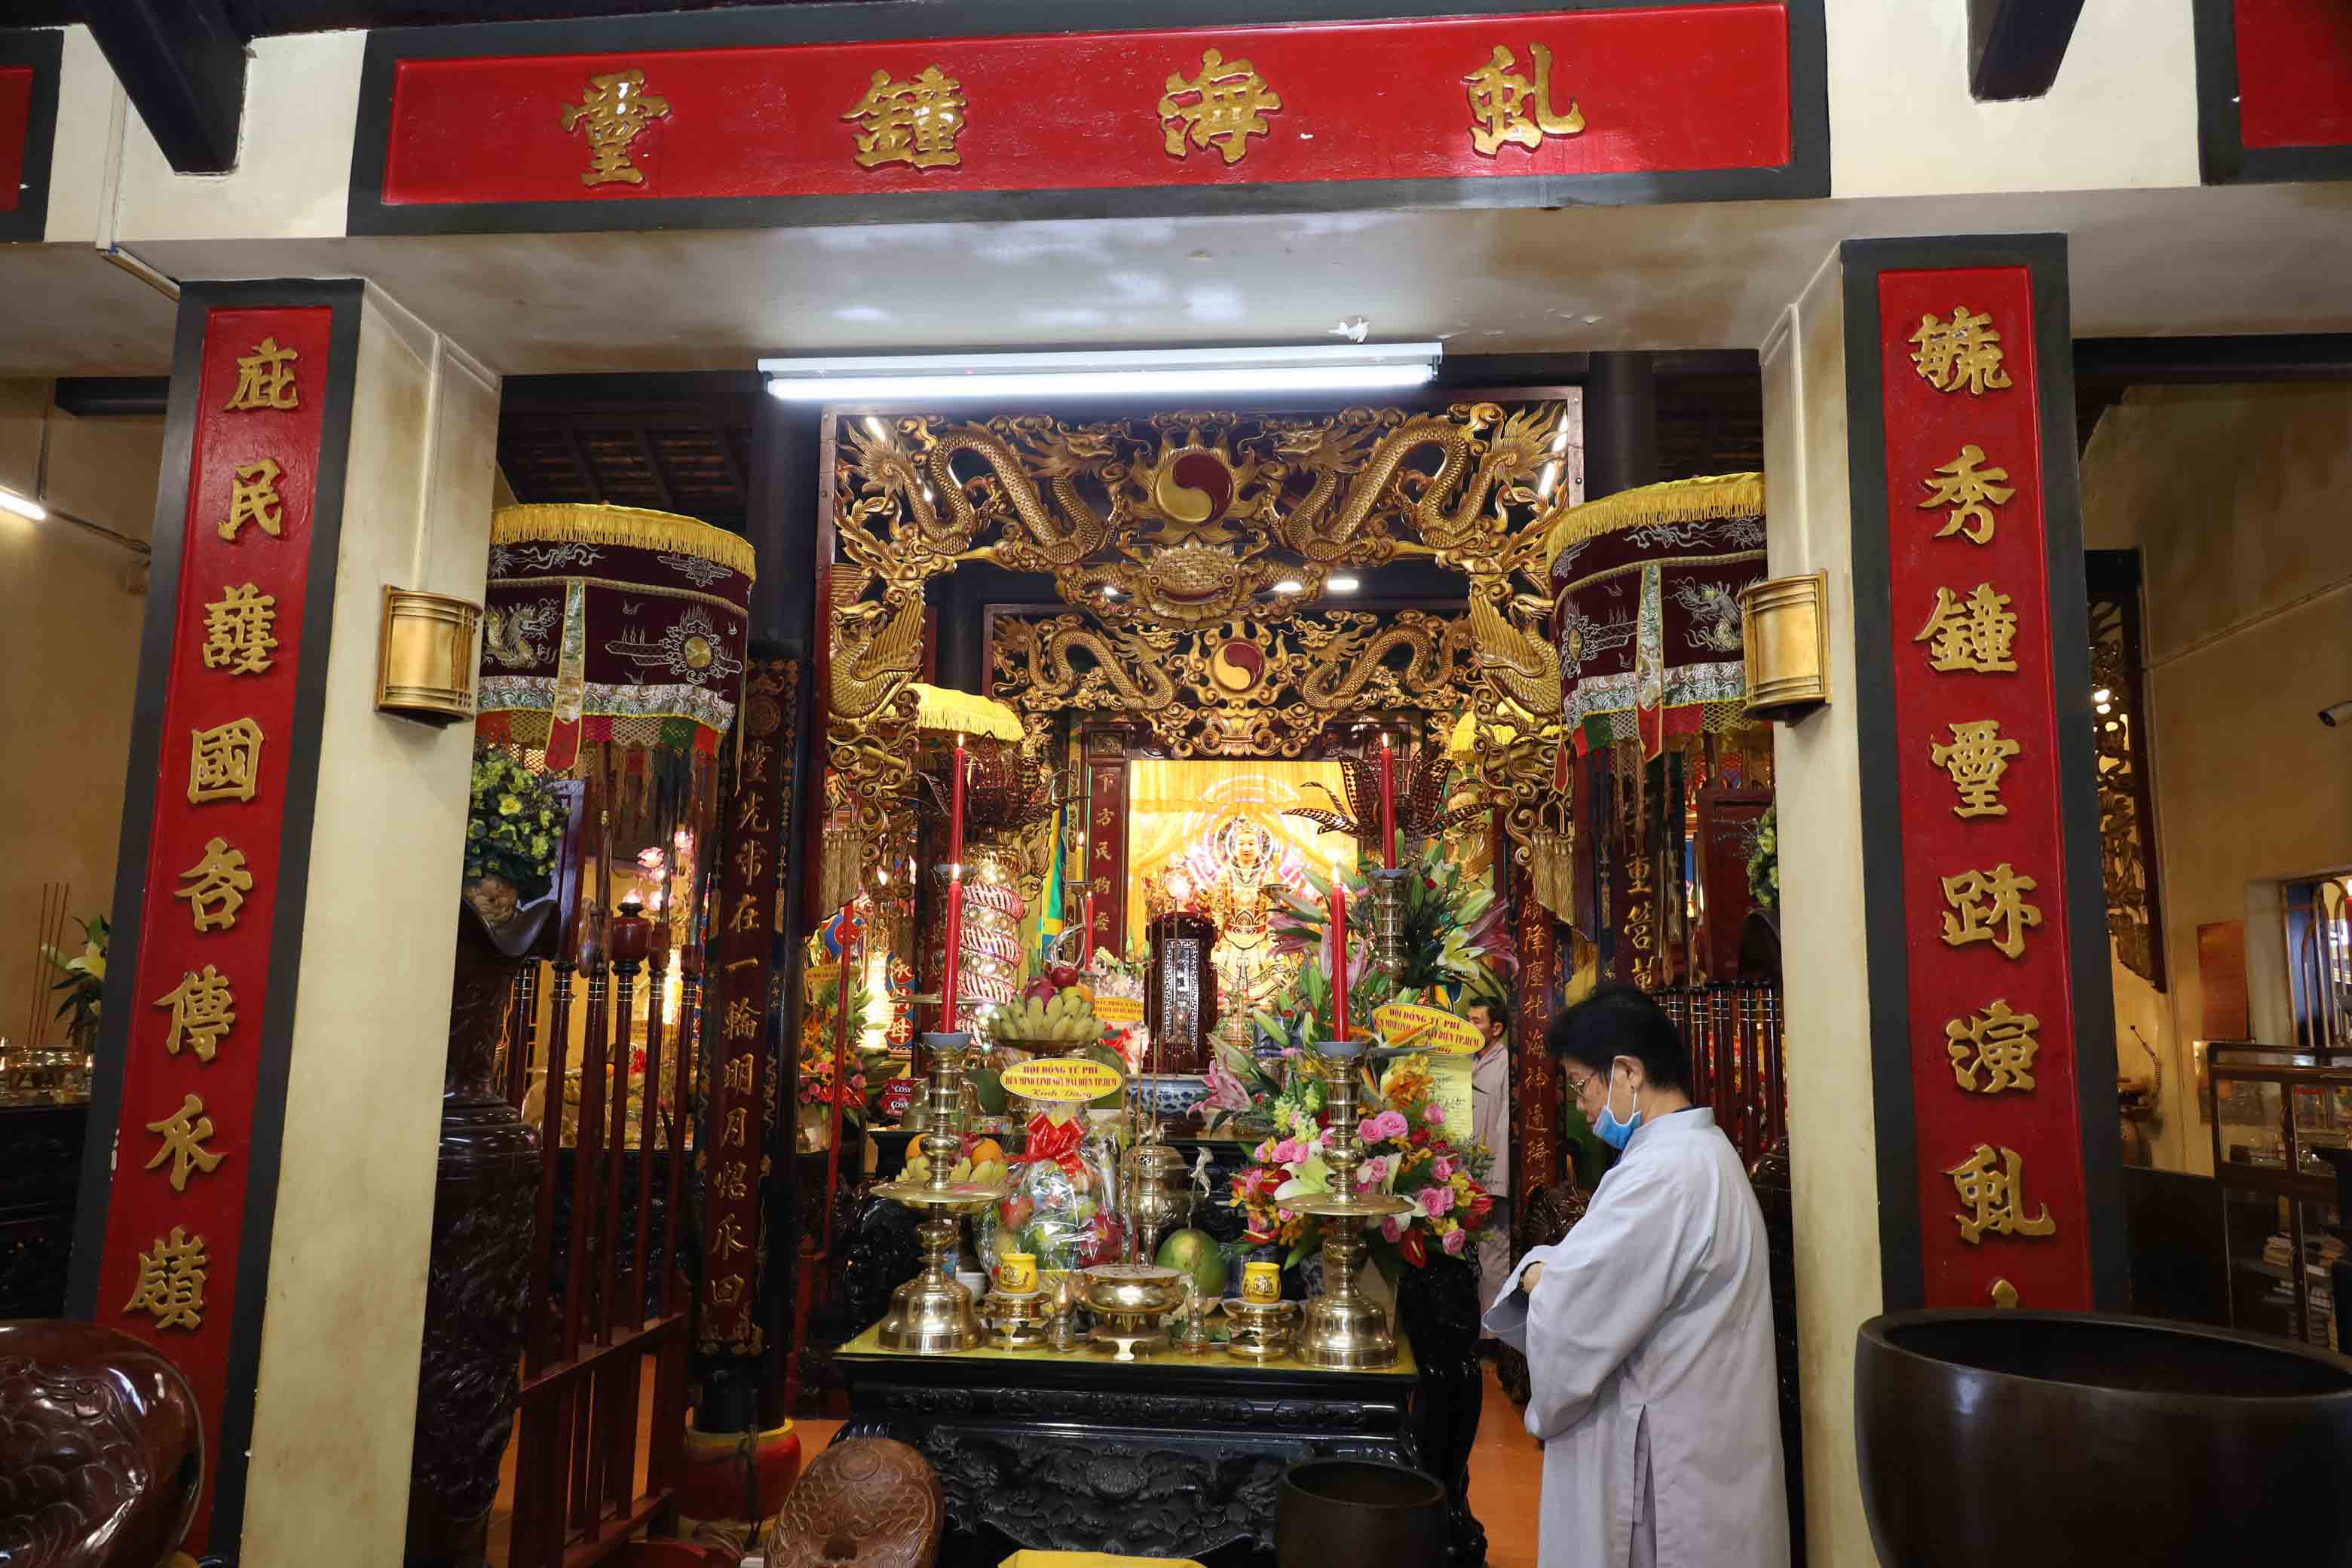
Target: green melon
pixel 1117 1098
pixel 1195 1253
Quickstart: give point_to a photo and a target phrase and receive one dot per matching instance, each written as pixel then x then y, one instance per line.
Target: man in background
pixel 1490 1123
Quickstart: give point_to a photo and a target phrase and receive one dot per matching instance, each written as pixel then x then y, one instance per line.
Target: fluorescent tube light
pixel 23 506
pixel 1315 367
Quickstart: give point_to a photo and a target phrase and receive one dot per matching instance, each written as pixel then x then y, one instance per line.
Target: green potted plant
pixel 84 985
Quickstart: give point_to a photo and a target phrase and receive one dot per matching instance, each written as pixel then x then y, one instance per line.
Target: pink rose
pixel 1375 1170
pixel 1434 1115
pixel 1391 1228
pixel 1288 1152
pixel 1441 1169
pixel 1436 1201
pixel 1386 1125
pixel 1454 1241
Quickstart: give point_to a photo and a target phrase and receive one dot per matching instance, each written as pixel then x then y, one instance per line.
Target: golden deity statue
pixel 1238 874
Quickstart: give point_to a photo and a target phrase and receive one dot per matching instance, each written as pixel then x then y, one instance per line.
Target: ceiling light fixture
pixel 894 378
pixel 1290 585
pixel 1344 584
pixel 23 506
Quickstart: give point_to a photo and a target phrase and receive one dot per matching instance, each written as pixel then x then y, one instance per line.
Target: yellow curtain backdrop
pixel 1175 808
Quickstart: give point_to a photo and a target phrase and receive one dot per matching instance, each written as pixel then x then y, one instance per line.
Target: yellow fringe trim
pixel 1701 499
pixel 623 526
pixel 962 712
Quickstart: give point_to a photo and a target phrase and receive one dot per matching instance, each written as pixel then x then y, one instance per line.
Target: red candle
pixel 954 939
pixel 1339 953
pixel 1388 802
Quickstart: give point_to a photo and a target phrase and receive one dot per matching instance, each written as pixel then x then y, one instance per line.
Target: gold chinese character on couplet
pixel 615 108
pixel 253 498
pixel 204 1009
pixel 727 1240
pixel 185 1133
pixel 1506 108
pixel 216 886
pixel 1998 1042
pixel 1978 633
pixel 1220 109
pixel 1976 759
pixel 736 1074
pixel 265 379
pixel 224 761
pixel 1964 352
pixel 239 630
pixel 1989 906
pixel 750 858
pixel 728 1291
pixel 910 121
pixel 1991 1184
pixel 171 1283
pixel 747 913
pixel 736 1134
pixel 1972 492
pixel 734 1180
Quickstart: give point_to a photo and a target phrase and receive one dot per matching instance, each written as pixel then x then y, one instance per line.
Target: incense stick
pixel 47 936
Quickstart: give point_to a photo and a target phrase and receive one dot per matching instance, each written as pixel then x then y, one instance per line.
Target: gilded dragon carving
pixel 1176 533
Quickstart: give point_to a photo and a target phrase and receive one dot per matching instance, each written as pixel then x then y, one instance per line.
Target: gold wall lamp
pixel 425 662
pixel 1786 631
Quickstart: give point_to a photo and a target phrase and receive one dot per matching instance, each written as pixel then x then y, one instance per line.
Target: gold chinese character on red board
pixel 1972 492
pixel 1975 635
pixel 1509 108
pixel 238 628
pixel 224 761
pixel 737 1134
pixel 1991 1184
pixel 615 110
pixel 910 121
pixel 727 1240
pixel 202 1009
pixel 750 859
pixel 265 379
pixel 734 1180
pixel 1989 906
pixel 1964 352
pixel 171 1283
pixel 216 886
pixel 736 1074
pixel 742 1019
pixel 728 1291
pixel 1976 760
pixel 1221 108
pixel 185 1133
pixel 253 498
pixel 1998 1042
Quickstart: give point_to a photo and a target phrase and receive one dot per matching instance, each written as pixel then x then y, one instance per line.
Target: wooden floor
pixel 1505 1478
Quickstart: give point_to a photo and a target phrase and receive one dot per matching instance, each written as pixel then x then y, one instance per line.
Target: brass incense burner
pixel 1344 1330
pixel 1019 1321
pixel 932 1313
pixel 1130 1303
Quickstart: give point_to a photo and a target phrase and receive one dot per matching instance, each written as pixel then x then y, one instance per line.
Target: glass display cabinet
pixel 2275 1114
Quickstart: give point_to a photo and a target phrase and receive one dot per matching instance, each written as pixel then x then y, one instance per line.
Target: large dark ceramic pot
pixel 2030 1438
pixel 1359 1512
pixel 479 1277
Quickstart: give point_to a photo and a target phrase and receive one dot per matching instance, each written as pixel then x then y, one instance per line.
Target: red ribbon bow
pixel 1056 1142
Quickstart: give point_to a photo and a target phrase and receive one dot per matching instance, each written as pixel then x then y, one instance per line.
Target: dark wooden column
pixel 1621 422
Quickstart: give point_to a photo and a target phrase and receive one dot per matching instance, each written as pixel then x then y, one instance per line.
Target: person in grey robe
pixel 1648 1331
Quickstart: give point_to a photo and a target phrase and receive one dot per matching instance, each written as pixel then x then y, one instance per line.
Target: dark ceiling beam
pixel 2015 46
pixel 2215 361
pixel 181 62
pixel 100 396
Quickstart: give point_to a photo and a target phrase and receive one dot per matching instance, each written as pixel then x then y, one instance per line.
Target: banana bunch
pixel 987 1172
pixel 1069 1018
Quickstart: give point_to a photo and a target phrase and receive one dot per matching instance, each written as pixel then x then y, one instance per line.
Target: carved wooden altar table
pixel 1176 1456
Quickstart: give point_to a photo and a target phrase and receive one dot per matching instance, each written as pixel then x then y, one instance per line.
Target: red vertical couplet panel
pixel 202 991
pixel 742 1086
pixel 2294 73
pixel 1106 852
pixel 15 130
pixel 2000 1175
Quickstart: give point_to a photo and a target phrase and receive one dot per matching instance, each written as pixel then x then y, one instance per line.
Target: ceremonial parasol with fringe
pixel 606 625
pixel 1646 612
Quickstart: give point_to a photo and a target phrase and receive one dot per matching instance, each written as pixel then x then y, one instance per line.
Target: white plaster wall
pixel 1818 767
pixel 88 96
pixel 2122 113
pixel 332 1428
pixel 293 169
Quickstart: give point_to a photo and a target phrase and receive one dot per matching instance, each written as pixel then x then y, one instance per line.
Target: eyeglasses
pixel 1576 1084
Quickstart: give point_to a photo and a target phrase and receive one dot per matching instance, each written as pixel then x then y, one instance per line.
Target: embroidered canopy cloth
pixel 1646 588
pixel 607 624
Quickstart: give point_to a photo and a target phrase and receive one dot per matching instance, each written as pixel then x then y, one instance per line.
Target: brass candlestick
pixel 1258 1331
pixel 1344 1330
pixel 932 1314
pixel 1020 1321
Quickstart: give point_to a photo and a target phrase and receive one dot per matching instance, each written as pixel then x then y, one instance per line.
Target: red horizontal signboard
pixel 2001 1172
pixel 2294 73
pixel 1643 90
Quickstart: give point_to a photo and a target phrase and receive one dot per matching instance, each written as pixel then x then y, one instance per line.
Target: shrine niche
pixel 1195 552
